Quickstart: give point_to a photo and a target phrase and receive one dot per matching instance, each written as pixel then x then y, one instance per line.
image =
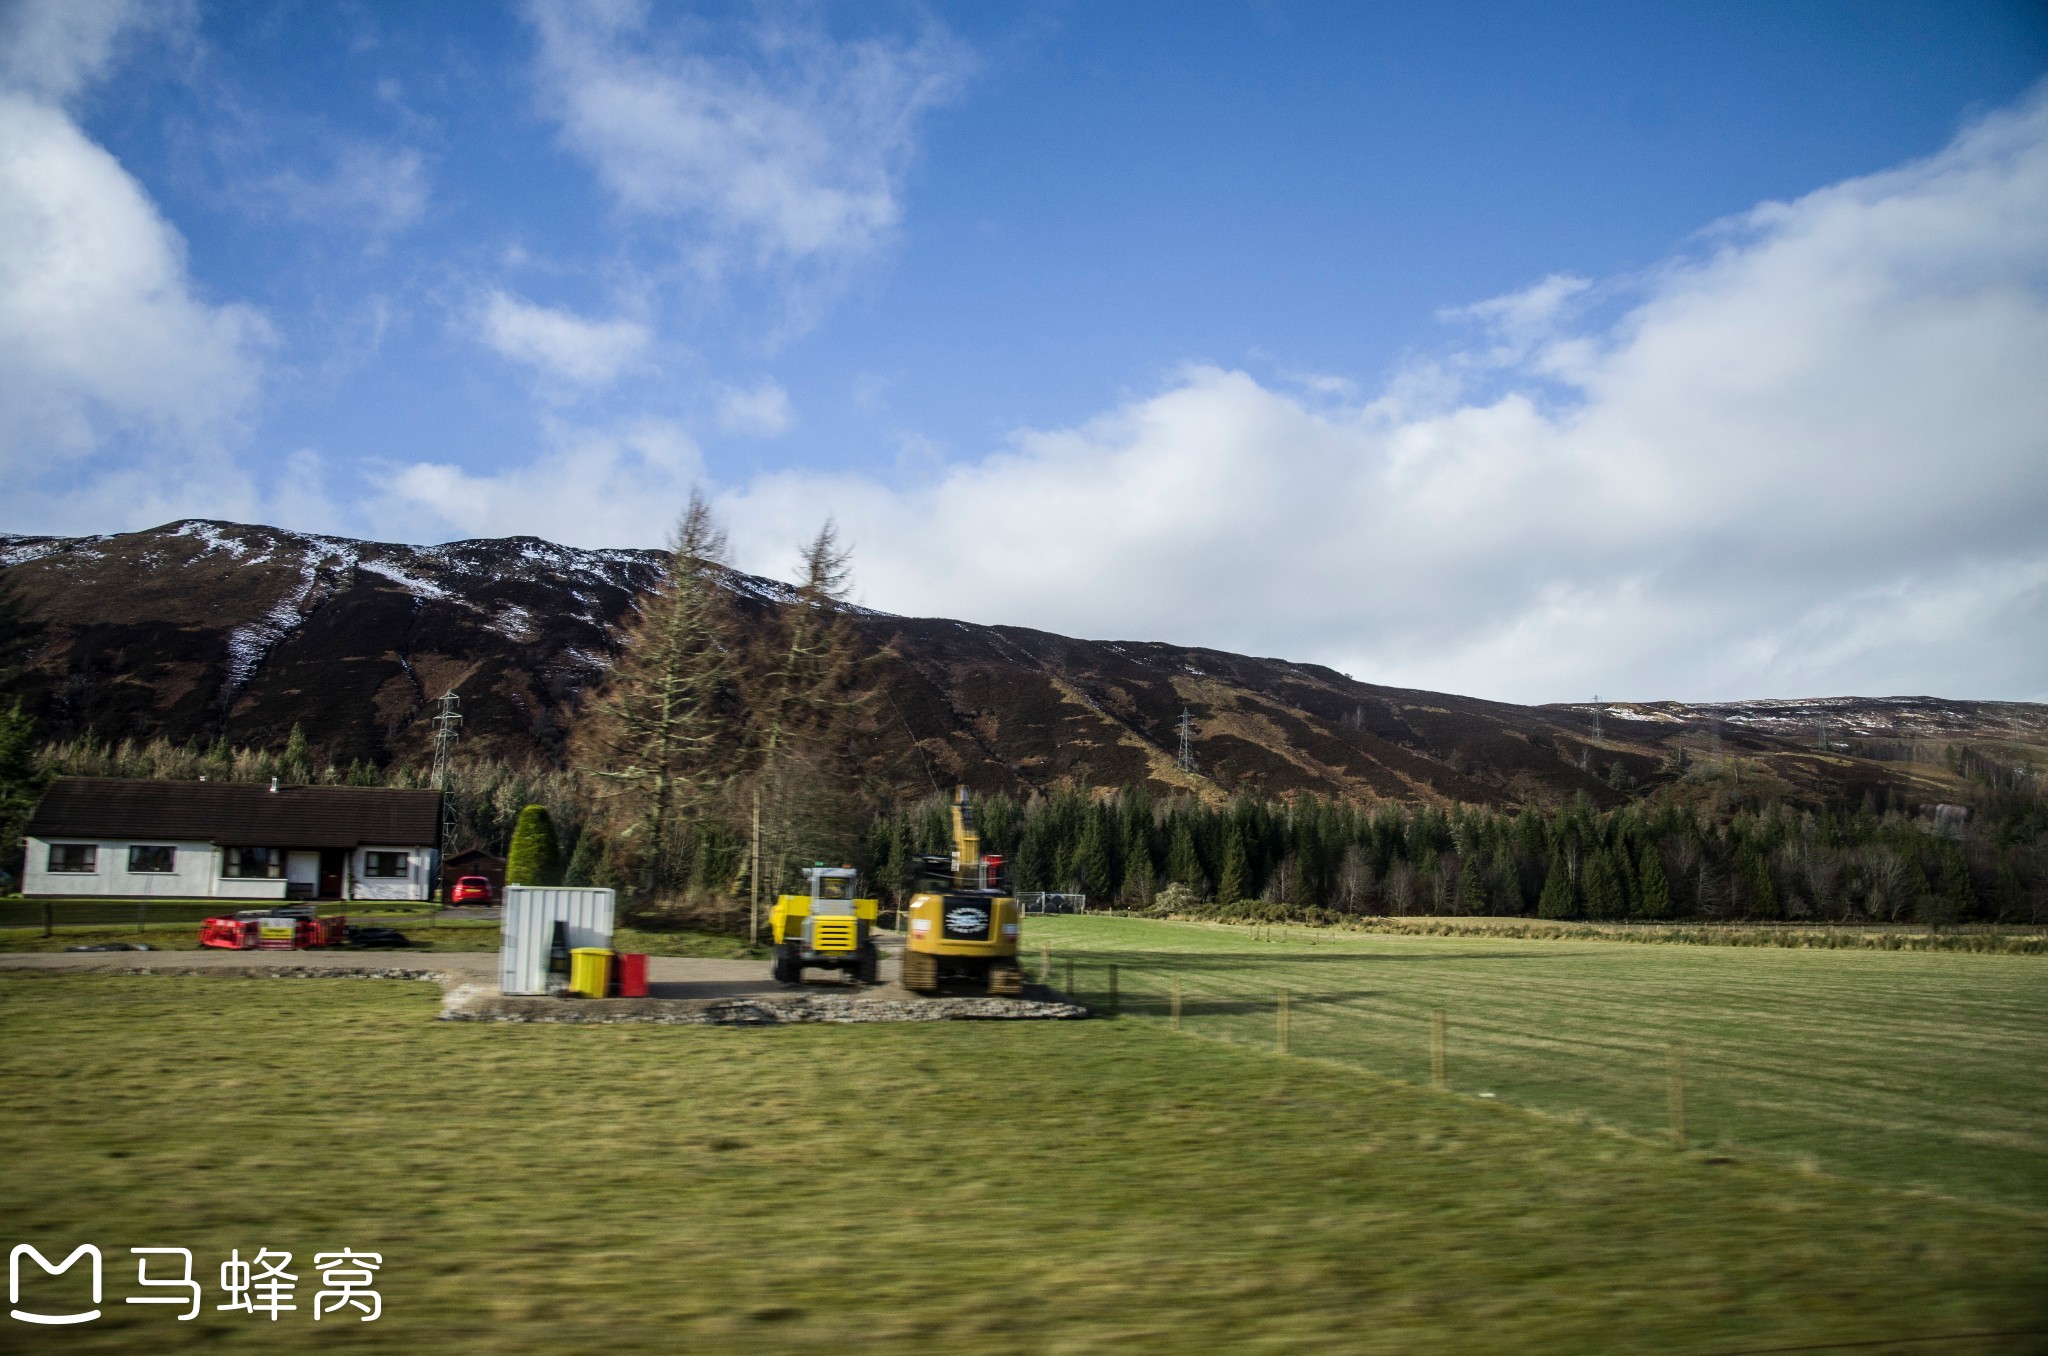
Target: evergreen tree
pixel 1507 884
pixel 902 869
pixel 1958 897
pixel 1183 864
pixel 1753 874
pixel 21 785
pixel 1232 876
pixel 1556 899
pixel 1034 865
pixel 298 759
pixel 1653 891
pixel 1136 890
pixel 585 860
pixel 1471 882
pixel 1092 866
pixel 535 858
pixel 1604 897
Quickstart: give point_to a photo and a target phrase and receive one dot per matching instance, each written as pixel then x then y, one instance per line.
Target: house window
pixel 384 865
pixel 152 861
pixel 257 863
pixel 82 858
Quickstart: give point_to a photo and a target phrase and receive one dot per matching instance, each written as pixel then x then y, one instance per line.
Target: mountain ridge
pixel 200 629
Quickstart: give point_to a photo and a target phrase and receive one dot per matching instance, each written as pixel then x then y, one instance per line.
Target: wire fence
pixel 1717 1082
pixel 1645 1086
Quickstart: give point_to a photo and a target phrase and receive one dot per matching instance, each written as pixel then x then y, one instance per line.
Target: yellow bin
pixel 589 968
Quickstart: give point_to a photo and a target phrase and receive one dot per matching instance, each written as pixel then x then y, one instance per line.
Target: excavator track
pixel 1005 981
pixel 920 971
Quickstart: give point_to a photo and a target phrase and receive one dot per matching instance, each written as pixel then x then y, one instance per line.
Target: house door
pixel 331 860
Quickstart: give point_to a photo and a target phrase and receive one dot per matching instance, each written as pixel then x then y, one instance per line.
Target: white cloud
pixel 594 487
pixel 1811 458
pixel 380 189
pixel 562 346
pixel 103 337
pixel 796 151
pixel 763 412
pixel 52 49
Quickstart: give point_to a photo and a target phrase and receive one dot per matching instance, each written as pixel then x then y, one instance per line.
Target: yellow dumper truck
pixel 830 928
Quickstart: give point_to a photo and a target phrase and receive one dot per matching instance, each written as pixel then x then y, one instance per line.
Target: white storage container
pixel 531 912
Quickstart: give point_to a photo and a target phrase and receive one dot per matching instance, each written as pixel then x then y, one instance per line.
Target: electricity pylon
pixel 447 729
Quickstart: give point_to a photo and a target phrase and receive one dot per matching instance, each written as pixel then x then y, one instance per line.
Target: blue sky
pixel 1526 351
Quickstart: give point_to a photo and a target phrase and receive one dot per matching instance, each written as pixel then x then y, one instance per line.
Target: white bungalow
pixel 231 840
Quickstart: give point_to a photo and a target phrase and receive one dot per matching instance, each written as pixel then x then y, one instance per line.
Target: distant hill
pixel 199 629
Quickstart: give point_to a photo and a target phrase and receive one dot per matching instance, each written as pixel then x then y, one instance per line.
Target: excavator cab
pixel 829 927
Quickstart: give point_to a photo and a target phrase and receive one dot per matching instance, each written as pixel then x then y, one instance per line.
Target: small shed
pixel 528 933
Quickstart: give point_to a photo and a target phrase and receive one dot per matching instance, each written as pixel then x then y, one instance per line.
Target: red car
pixel 471 890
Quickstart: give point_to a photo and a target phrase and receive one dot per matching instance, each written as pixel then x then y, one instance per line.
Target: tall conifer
pixel 1556 899
pixel 535 857
pixel 1232 876
pixel 1604 897
pixel 1653 891
pixel 1183 863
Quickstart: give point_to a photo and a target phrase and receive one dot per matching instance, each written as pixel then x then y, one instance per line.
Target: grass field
pixel 1042 1187
pixel 1907 1069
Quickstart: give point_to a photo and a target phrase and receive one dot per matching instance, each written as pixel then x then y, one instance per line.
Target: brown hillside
pixel 197 630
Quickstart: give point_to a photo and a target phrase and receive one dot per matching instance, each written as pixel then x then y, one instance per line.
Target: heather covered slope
pixel 199 629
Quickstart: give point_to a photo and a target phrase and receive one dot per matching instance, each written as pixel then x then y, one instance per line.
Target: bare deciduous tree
pixel 661 735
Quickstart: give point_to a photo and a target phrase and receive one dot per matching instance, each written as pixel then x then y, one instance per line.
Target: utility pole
pixel 447 729
pixel 1186 761
pixel 754 876
pixel 1596 715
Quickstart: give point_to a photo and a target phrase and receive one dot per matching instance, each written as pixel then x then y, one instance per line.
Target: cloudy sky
pixel 1530 352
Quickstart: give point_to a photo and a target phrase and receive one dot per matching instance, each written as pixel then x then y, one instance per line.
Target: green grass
pixel 1040 1187
pixel 449 934
pixel 1907 1069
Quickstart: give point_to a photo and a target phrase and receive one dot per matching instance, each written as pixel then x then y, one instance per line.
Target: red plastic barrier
pixel 632 973
pixel 229 934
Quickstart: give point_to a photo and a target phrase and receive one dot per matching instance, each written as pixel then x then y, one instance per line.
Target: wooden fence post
pixel 1675 1094
pixel 1436 1048
pixel 1283 1021
pixel 1176 1002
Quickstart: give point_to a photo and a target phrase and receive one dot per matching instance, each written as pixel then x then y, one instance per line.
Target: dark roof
pixel 246 814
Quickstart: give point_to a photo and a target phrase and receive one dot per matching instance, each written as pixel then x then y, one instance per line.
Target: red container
pixel 632 973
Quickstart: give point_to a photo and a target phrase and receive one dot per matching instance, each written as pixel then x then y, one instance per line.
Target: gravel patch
pixel 473 1003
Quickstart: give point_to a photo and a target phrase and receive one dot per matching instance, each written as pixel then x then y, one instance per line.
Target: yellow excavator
pixel 962 922
pixel 829 928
